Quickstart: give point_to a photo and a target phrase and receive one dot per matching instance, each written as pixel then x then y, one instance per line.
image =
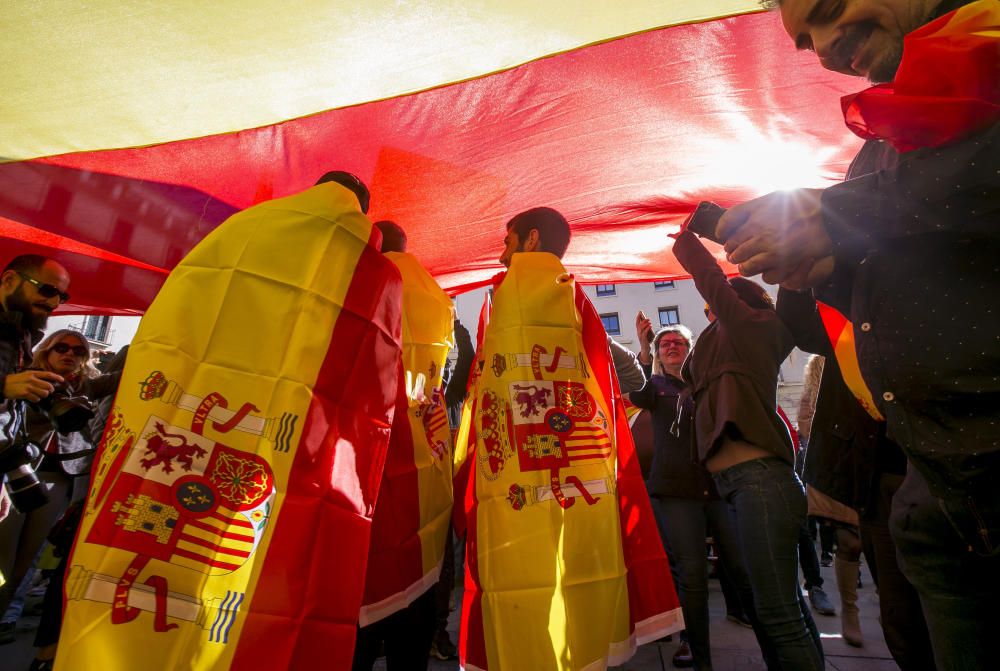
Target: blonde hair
pixel 40 358
pixel 679 329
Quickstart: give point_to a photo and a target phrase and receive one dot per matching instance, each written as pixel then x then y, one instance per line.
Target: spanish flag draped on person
pixel 230 508
pixel 564 565
pixel 413 514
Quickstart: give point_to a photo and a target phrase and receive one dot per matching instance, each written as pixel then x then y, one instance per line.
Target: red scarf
pixel 947 86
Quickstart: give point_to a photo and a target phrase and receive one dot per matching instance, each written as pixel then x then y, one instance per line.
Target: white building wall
pixel 121 330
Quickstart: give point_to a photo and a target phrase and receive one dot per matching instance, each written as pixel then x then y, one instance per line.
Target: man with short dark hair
pixel 543 229
pixel 411 521
pixel 907 248
pixel 31 287
pixel 540 229
pixel 549 471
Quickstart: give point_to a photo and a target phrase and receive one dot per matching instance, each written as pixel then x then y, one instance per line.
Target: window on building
pixel 95 327
pixel 669 284
pixel 670 316
pixel 611 325
pixel 605 290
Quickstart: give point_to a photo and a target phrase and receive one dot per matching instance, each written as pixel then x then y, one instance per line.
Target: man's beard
pixel 18 302
pixel 885 71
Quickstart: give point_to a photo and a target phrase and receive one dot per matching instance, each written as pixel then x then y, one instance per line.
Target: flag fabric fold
pixel 721 109
pixel 413 512
pixel 229 513
pixel 564 565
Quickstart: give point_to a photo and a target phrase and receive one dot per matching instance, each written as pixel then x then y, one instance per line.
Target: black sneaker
pixel 826 559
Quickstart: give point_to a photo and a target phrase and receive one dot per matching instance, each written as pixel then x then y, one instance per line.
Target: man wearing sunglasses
pixel 31 287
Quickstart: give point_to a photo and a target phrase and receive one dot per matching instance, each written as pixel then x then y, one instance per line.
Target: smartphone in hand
pixel 704 220
pixel 649 335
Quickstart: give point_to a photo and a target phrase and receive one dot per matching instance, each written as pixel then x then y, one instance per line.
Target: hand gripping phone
pixel 650 335
pixel 704 220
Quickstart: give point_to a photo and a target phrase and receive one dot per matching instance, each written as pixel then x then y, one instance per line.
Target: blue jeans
pixel 770 508
pixel 684 524
pixel 950 551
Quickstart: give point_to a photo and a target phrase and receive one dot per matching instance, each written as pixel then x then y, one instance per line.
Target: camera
pixel 26 492
pixel 67 413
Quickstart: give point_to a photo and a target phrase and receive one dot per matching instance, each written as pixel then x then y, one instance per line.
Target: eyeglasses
pixel 673 343
pixel 46 290
pixel 62 348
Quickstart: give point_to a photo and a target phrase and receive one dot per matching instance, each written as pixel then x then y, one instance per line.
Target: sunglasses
pixel 46 290
pixel 62 348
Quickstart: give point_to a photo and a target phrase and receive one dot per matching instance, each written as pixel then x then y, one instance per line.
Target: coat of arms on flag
pixel 185 499
pixel 552 425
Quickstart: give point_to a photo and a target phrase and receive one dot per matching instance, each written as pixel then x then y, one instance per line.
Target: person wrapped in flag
pixel 229 514
pixel 413 514
pixel 564 567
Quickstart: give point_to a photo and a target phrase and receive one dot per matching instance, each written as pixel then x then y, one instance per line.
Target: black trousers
pixel 407 635
pixel 903 622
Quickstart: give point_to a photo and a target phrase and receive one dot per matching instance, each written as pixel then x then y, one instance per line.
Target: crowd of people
pixel 898 429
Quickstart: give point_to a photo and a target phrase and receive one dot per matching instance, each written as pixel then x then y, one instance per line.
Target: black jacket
pixel 15 354
pixel 673 472
pixel 844 439
pixel 916 248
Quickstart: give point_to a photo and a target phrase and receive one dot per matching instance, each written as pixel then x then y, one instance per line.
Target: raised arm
pixel 710 280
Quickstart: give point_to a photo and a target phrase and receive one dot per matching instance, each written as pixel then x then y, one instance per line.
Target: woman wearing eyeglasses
pixel 741 440
pixel 685 501
pixel 66 353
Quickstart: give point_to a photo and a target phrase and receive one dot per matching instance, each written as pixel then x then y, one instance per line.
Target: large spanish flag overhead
pixel 130 129
pixel 229 513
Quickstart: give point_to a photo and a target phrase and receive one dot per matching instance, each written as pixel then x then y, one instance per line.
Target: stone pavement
pixel 733 647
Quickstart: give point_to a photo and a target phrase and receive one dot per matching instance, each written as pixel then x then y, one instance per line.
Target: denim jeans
pixel 770 508
pixel 684 524
pixel 950 551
